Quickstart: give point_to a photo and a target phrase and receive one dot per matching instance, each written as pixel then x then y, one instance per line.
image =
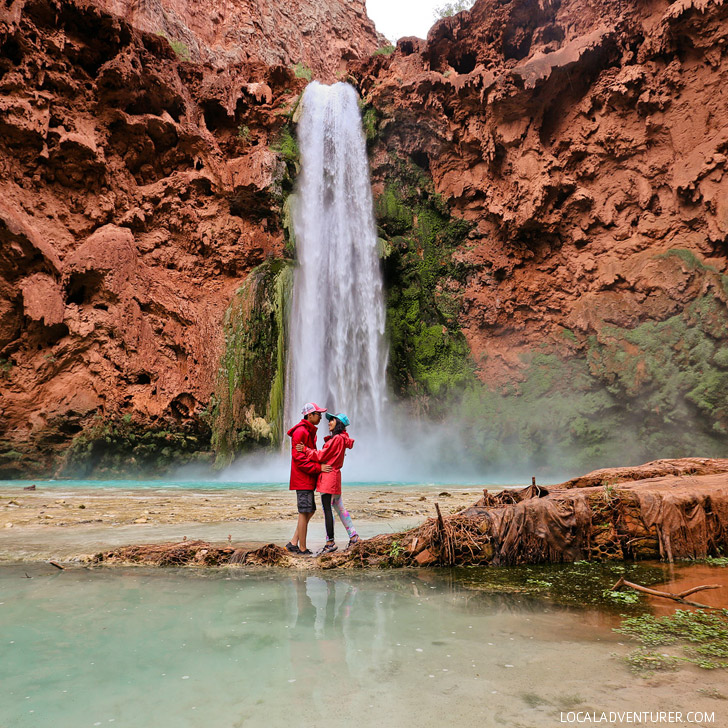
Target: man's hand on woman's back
pixel 325 467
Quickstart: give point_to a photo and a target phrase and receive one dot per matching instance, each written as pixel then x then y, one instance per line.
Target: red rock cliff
pixel 324 36
pixel 137 191
pixel 550 183
pixel 587 145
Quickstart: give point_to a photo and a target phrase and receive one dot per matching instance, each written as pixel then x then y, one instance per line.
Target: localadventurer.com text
pixel 638 717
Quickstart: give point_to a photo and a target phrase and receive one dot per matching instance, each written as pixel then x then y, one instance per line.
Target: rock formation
pixel 319 38
pixel 585 144
pixel 549 187
pixel 137 191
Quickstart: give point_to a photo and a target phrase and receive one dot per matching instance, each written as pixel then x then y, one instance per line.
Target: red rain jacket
pixel 304 470
pixel 333 453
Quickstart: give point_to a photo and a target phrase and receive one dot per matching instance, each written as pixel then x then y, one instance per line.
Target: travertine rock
pixel 131 208
pixel 584 141
pixel 324 36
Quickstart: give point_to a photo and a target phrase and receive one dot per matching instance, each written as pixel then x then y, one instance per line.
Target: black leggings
pixel 328 515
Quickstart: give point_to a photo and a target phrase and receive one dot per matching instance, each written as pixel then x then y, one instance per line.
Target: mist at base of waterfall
pixel 406 451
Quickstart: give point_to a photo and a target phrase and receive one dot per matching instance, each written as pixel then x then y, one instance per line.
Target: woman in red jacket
pixel 329 484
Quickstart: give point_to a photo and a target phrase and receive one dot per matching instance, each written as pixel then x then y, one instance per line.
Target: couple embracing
pixel 313 469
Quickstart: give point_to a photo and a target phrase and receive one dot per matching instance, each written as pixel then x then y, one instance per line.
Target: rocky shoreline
pixel 679 511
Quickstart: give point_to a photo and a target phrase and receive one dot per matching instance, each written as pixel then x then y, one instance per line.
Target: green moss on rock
pixel 250 385
pixel 429 356
pixel 132 447
pixel 658 390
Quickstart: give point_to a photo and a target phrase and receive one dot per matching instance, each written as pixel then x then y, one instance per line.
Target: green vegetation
pixel 302 71
pixel 697 627
pixel 286 145
pixel 626 395
pixel 133 448
pixel 386 50
pixel 703 637
pixel 180 49
pixel 244 132
pixel 370 123
pixel 177 46
pixel 581 583
pixel 6 367
pixel 428 353
pixel 396 550
pixel 643 661
pixel 621 597
pixel 716 560
pixel 19 460
pixel 449 9
pixel 557 410
pixel 249 390
pixel 289 233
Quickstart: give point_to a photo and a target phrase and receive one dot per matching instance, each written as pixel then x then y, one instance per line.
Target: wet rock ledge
pixel 667 510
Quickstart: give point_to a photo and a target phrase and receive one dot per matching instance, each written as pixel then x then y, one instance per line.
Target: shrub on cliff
pixel 449 9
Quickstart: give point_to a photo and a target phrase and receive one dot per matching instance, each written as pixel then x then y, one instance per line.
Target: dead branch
pixel 680 597
pixel 440 522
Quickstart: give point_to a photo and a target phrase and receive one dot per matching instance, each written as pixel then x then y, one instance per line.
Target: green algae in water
pixel 581 583
pixel 716 560
pixel 703 637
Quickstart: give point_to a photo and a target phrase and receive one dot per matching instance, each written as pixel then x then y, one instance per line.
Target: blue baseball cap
pixel 341 417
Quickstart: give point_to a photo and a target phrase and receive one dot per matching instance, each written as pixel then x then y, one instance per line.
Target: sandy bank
pixel 64 523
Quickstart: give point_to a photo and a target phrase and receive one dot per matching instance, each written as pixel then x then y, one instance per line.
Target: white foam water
pixel 337 352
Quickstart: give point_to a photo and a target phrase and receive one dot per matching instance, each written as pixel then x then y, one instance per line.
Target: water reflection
pixel 318 643
pixel 230 648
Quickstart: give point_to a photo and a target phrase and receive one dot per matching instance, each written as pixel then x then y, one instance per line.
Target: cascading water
pixel 337 354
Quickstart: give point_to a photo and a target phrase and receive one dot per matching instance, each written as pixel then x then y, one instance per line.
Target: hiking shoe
pixel 307 552
pixel 353 540
pixel 329 548
pixel 293 549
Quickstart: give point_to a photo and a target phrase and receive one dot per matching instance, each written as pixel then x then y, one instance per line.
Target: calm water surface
pixel 197 485
pixel 228 648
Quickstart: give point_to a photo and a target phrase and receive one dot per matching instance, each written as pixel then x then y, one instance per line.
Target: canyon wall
pixel 319 38
pixel 550 193
pixel 137 192
pixel 581 151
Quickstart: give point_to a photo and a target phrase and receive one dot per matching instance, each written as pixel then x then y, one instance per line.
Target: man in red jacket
pixel 304 473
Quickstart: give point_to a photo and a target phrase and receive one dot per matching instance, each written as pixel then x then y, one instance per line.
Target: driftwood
pixel 57 565
pixel 440 522
pixel 679 597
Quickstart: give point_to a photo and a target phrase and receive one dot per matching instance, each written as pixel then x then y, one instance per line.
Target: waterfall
pixel 337 354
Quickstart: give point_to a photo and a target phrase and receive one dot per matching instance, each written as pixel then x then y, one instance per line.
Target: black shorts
pixel 306 501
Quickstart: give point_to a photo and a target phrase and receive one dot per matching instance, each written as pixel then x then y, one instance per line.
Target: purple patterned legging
pixel 328 501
